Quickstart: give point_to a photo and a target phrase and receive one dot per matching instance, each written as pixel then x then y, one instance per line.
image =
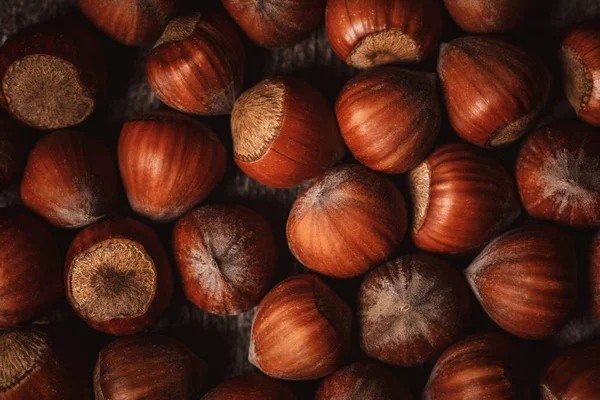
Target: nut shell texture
pixel 197 65
pixel 494 91
pixel 347 222
pixel 558 175
pixel 227 258
pixel 251 387
pixel 389 117
pixel 366 33
pixel 169 163
pixel 489 16
pixel 301 330
pixel 526 280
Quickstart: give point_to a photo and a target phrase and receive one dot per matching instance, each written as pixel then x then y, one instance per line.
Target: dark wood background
pixel 223 341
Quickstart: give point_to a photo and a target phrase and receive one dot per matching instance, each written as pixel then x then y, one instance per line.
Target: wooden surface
pixel 223 341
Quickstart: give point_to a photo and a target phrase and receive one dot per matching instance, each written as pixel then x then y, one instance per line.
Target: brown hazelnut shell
pixel 482 366
pixel 53 74
pixel 284 133
pixel 274 24
pixel 580 57
pixel 148 367
pixel 573 374
pixel 594 274
pixel 411 308
pixel 227 258
pixel 347 222
pixel 197 65
pixel 526 280
pixel 300 331
pixel 12 152
pixel 461 199
pixel 558 175
pixel 130 22
pixel 70 179
pixel 118 277
pixel 489 16
pixel 494 91
pixel 367 33
pixel 30 268
pixel 169 163
pixel 251 387
pixel 368 110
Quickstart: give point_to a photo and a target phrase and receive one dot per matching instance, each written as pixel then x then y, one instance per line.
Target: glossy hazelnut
pixel 227 258
pixel 36 363
pixel 12 152
pixel 573 374
pixel 489 16
pixel 197 65
pixel 117 276
pixel 169 163
pixel 494 91
pixel 301 330
pixel 411 308
pixel 30 268
pixel 131 22
pixel 284 133
pixel 375 32
pixel 558 175
pixel 53 74
pixel 364 380
pixel 347 222
pixel 580 57
pixel 482 366
pixel 148 367
pixel 368 110
pixel 594 274
pixel 461 199
pixel 274 24
pixel 251 387
pixel 526 280
pixel 70 179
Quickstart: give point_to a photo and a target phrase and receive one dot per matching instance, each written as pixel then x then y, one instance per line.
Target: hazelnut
pixel 70 179
pixel 53 74
pixel 117 276
pixel 12 152
pixel 227 258
pixel 301 330
pixel 411 308
pixel 526 280
pixel 558 175
pixel 169 163
pixel 284 133
pixel 489 16
pixel 375 32
pixel 461 199
pixel 594 275
pixel 148 367
pixel 494 91
pixel 197 65
pixel 251 387
pixel 347 222
pixel 368 110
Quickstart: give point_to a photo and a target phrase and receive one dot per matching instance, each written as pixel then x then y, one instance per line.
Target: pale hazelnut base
pixel 385 47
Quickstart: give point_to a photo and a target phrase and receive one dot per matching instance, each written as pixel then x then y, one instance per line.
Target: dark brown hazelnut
pixel 227 258
pixel 12 152
pixel 461 199
pixel 251 387
pixel 70 179
pixel 367 33
pixel 117 276
pixel 489 16
pixel 526 280
pixel 273 23
pixel 169 163
pixel 131 22
pixel 30 268
pixel 301 330
pixel 411 308
pixel 494 91
pixel 53 74
pixel 284 133
pixel 558 175
pixel 347 222
pixel 594 274
pixel 148 367
pixel 368 110
pixel 197 65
